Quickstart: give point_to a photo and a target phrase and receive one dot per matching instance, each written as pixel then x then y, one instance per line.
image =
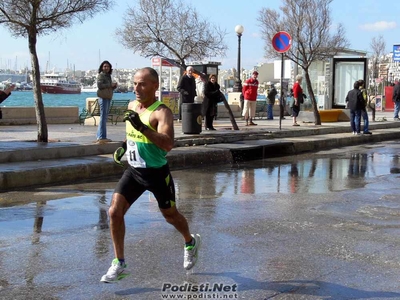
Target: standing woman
pixel 105 93
pixel 297 99
pixel 270 102
pixel 212 94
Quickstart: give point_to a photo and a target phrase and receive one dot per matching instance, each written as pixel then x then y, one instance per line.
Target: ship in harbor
pixel 59 84
pixel 90 88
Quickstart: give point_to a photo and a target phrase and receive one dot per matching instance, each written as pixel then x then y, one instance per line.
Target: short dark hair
pixel 153 73
pixel 356 85
pixel 361 82
pixel 103 63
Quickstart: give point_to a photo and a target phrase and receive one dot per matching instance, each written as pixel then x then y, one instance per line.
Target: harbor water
pixel 25 98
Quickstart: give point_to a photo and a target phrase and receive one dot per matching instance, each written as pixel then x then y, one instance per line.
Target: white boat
pixel 4 84
pixel 59 84
pixel 89 89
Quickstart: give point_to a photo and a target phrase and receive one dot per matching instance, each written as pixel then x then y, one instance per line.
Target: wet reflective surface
pixel 320 226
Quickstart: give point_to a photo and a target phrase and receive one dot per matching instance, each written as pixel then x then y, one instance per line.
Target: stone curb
pixel 62 171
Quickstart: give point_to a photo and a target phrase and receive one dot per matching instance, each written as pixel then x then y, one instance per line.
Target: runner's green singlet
pixel 141 152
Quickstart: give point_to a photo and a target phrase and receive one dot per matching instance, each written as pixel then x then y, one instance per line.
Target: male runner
pixel 149 136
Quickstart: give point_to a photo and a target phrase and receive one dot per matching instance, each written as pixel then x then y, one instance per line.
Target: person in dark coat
pixel 355 102
pixel 4 95
pixel 187 88
pixel 396 100
pixel 270 102
pixel 7 92
pixel 212 95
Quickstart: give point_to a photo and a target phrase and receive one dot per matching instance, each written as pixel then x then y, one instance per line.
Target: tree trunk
pixel 317 117
pixel 231 117
pixel 42 135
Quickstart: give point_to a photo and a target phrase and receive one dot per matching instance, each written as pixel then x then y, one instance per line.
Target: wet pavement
pixel 72 156
pixel 322 225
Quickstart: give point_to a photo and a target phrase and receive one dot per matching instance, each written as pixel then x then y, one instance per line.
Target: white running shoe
pixel 190 255
pixel 115 272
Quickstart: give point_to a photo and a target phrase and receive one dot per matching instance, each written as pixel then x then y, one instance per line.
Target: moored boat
pixel 59 84
pixel 89 89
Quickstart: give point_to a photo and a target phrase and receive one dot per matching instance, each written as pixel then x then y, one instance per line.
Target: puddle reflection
pixel 297 174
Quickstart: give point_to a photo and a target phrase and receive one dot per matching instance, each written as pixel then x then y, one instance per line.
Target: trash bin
pixel 191 118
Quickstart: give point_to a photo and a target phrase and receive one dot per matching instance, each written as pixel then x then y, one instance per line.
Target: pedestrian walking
pixel 149 137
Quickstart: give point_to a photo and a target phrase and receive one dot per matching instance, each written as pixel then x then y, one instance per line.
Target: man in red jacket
pixel 250 88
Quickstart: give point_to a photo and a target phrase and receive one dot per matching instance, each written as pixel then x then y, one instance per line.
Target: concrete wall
pixel 223 112
pixel 21 115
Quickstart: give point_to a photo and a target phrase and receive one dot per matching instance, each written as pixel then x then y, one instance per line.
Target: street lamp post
pixel 238 83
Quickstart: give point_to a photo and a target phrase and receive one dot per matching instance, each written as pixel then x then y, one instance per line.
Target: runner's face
pixel 145 88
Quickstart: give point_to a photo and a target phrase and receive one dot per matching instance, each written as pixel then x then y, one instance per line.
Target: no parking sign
pixel 282 41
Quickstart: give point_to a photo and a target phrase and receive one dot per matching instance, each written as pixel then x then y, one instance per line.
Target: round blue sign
pixel 282 41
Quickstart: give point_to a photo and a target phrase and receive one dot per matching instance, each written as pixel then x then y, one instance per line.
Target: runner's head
pixel 145 83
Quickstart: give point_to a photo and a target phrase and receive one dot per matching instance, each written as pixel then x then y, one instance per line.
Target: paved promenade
pixel 315 243
pixel 72 153
pixel 81 134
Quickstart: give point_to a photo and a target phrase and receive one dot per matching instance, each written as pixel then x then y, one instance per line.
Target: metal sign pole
pixel 281 108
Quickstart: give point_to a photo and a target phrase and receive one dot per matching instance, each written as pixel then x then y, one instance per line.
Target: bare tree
pixel 31 18
pixel 378 46
pixel 170 29
pixel 314 38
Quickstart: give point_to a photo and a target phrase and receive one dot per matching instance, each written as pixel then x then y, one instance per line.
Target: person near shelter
pixel 250 92
pixel 355 102
pixel 212 94
pixel 187 88
pixel 105 93
pixel 149 137
pixel 270 102
pixel 364 113
pixel 396 99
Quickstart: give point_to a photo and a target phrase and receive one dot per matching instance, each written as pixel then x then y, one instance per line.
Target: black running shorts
pixel 135 181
